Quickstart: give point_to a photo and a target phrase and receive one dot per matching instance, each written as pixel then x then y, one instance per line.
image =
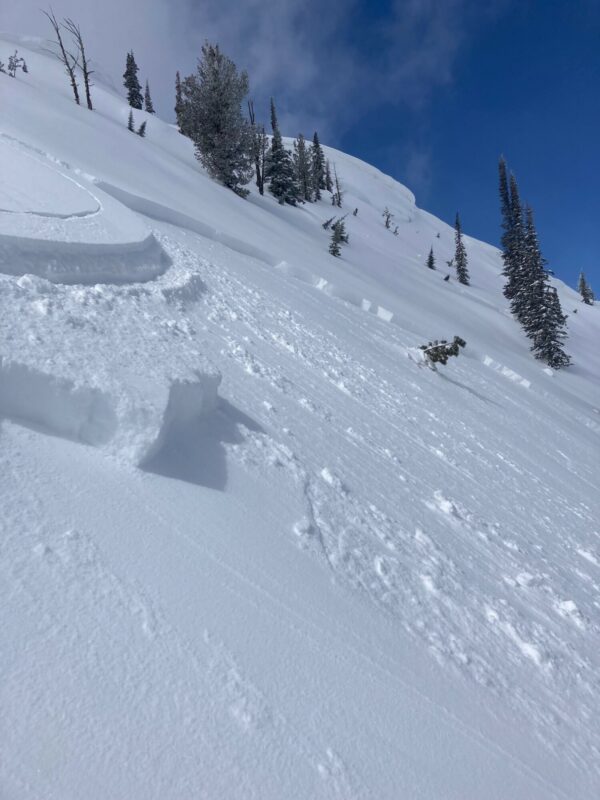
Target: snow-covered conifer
pixel 548 342
pixel 460 254
pixel 131 82
pixel 148 105
pixel 213 118
pixel 280 168
pixel 302 166
pixel 317 159
pixel 585 290
pixel 328 180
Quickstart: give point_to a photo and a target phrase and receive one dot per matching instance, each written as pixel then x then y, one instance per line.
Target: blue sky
pixel 525 83
pixel 430 91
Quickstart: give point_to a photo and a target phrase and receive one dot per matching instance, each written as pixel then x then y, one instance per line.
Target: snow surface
pixel 250 547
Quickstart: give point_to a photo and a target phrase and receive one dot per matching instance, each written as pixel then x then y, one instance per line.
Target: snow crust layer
pixel 250 547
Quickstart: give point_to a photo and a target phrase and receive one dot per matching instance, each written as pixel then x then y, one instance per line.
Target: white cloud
pixel 326 63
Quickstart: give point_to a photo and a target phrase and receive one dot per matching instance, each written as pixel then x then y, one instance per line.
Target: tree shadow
pixel 194 451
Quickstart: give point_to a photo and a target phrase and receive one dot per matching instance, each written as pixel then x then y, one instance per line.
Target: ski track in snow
pixel 398 565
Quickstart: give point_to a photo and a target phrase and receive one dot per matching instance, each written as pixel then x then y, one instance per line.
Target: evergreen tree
pixel 528 285
pixel 460 255
pixel 536 304
pixel 141 131
pixel 187 106
pixel 513 232
pixel 279 167
pixel 259 148
pixel 388 217
pixel 585 290
pixel 212 115
pixel 131 83
pixel 148 100
pixel 548 340
pixel 317 159
pixel 328 181
pixel 130 126
pixel 338 194
pixel 431 259
pixel 302 166
pixel 338 237
pixel 178 101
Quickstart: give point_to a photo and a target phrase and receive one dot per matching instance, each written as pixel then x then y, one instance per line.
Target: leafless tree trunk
pixel 75 32
pixel 66 58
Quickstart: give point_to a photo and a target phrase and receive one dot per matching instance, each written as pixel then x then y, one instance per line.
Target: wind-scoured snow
pixel 250 545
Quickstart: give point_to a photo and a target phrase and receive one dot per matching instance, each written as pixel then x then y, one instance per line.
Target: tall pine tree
pixel 460 254
pixel 548 340
pixel 213 116
pixel 131 83
pixel 148 100
pixel 302 166
pixel 585 290
pixel 279 166
pixel 317 158
pixel 533 301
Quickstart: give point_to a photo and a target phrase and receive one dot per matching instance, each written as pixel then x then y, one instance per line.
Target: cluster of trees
pixel 233 148
pixel 387 220
pixel 533 301
pixel 15 62
pixel 460 260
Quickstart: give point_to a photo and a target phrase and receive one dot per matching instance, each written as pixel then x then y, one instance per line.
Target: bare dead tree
pixel 81 60
pixel 67 59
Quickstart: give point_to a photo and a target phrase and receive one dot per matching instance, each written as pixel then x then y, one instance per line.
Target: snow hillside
pixel 250 547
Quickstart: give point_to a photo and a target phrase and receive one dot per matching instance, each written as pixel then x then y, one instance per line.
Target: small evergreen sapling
pixel 388 217
pixel 15 62
pixel 130 125
pixel 141 131
pixel 431 259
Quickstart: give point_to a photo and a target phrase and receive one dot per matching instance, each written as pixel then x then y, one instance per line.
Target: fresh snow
pixel 250 546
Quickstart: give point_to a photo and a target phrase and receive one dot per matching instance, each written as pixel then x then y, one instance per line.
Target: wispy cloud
pixel 327 63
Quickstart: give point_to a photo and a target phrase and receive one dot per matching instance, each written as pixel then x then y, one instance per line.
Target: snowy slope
pixel 250 546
